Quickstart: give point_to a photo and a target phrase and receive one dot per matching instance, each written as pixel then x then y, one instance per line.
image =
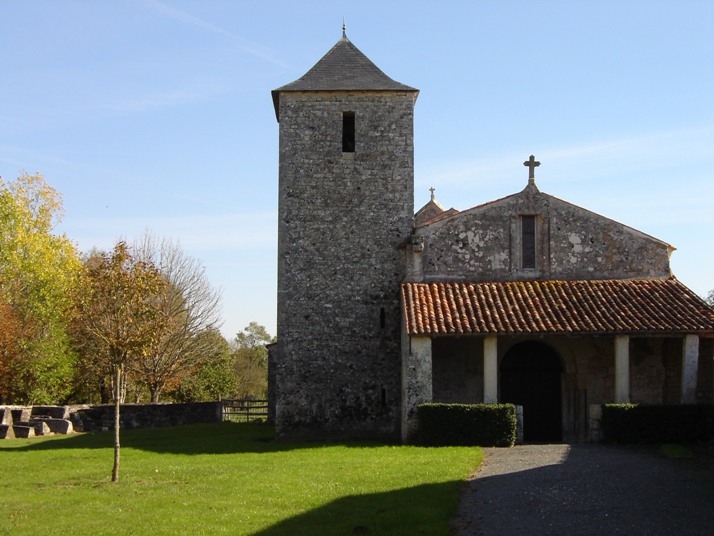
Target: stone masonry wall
pixel 484 243
pixel 342 218
pixel 31 421
pixel 94 418
pixel 458 370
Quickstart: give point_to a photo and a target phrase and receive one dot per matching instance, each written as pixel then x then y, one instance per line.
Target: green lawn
pixel 226 479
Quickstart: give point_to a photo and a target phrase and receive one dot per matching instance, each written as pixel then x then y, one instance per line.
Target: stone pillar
pixel 519 425
pixel 690 364
pixel 416 381
pixel 490 370
pixel 622 369
pixel 594 420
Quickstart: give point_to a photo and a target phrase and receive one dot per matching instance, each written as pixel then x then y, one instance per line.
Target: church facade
pixel 527 299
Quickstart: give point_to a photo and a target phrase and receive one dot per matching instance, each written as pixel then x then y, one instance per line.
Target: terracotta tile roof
pixel 623 306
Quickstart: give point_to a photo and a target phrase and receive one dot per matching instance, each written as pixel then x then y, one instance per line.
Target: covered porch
pixel 558 348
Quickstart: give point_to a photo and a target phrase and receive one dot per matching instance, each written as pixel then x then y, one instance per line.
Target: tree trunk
pixel 123 385
pixel 117 405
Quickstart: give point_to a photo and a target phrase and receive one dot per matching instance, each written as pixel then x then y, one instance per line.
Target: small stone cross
pixel 531 164
pixel 432 190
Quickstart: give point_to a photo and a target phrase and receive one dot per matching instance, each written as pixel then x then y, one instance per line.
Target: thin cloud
pixel 218 232
pixel 163 99
pixel 103 102
pixel 656 182
pixel 247 46
pixel 189 19
pixel 652 151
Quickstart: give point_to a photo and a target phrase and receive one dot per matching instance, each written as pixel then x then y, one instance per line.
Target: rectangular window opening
pixel 528 242
pixel 348 132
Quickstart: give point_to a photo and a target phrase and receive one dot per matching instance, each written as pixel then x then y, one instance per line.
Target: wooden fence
pixel 245 410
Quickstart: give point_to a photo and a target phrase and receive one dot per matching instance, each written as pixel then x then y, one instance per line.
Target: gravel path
pixel 587 490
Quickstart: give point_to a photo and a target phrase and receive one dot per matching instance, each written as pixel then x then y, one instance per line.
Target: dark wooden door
pixel 531 377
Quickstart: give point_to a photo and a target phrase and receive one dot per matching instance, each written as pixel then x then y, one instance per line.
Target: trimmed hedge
pixel 485 425
pixel 634 423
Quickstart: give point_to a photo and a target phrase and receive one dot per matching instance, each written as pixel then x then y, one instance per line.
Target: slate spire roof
pixel 343 68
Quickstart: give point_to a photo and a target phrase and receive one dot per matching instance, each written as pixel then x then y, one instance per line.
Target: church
pixel 527 299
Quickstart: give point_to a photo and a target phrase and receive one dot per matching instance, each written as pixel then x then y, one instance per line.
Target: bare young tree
pixel 188 307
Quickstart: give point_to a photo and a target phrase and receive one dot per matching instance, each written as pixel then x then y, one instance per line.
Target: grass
pixel 226 479
pixel 674 450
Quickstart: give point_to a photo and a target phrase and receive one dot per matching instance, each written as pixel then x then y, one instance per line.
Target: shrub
pixel 633 423
pixel 486 425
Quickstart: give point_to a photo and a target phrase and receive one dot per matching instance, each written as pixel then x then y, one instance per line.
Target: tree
pixel 117 319
pixel 187 308
pixel 251 361
pixel 38 272
pixel 216 378
pixel 10 335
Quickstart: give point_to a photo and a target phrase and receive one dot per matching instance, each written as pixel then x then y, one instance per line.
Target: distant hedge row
pixel 634 423
pixel 486 425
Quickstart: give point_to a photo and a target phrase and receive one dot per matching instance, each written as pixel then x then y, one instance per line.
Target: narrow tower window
pixel 528 242
pixel 348 132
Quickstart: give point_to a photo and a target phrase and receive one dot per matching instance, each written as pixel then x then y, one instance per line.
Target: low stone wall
pixel 31 421
pixel 93 418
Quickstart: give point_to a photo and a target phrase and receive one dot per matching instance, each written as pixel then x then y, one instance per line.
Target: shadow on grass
pixel 423 509
pixel 218 438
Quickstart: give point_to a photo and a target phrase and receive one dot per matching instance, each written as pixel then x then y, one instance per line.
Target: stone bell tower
pixel 345 207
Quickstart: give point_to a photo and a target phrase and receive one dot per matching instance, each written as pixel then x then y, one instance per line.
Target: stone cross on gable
pixel 432 190
pixel 531 164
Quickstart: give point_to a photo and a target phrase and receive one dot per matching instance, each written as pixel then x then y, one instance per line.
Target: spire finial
pixel 432 190
pixel 344 28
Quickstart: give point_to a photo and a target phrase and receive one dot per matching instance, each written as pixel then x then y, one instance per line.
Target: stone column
pixel 690 364
pixel 622 369
pixel 490 370
pixel 416 381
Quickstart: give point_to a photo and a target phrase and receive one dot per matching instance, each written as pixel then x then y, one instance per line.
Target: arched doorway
pixel 531 377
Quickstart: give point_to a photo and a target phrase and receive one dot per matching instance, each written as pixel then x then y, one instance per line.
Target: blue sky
pixel 157 115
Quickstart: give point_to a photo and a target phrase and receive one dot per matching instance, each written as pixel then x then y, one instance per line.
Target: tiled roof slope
pixel 622 306
pixel 343 68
